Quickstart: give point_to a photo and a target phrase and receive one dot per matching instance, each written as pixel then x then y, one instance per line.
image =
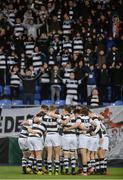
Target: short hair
pixel 41 113
pixel 43 106
pixel 67 108
pixel 84 111
pixel 77 111
pixel 52 107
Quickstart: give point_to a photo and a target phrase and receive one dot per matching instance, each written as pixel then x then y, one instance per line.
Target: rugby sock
pixel 73 165
pixel 34 165
pixel 93 163
pixel 57 166
pixel 84 168
pixel 97 166
pixel 61 162
pixel 30 162
pixel 66 163
pixel 89 164
pixel 49 163
pixel 105 164
pixel 24 162
pixel 102 165
pixel 73 162
pixel 39 164
pixel 45 164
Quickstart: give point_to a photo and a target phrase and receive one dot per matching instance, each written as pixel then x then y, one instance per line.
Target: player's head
pixel 77 112
pixel 52 108
pixel 44 108
pixel 84 111
pixel 66 110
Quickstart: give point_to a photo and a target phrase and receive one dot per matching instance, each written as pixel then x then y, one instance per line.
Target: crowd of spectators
pixel 50 40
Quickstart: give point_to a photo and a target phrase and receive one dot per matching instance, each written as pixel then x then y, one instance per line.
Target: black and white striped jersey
pixel 67 45
pixel 77 45
pixel 22 63
pixel 24 132
pixel 69 124
pixel 45 78
pixel 14 80
pixel 66 27
pixel 2 61
pixel 59 15
pixel 64 59
pixel 11 15
pixel 51 60
pixel 85 120
pixel 18 30
pixel 51 124
pixel 39 130
pixel 72 86
pixel 11 61
pixel 67 72
pixel 71 13
pixel 29 48
pixel 94 101
pixel 36 61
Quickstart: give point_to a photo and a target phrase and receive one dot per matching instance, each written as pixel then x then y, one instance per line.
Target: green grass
pixel 14 172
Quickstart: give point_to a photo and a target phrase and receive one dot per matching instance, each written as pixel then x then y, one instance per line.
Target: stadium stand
pixel 84 37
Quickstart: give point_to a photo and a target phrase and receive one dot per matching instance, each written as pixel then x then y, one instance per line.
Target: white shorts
pixel 36 143
pixel 94 143
pixel 69 142
pixel 84 141
pixel 23 144
pixel 52 140
pixel 105 144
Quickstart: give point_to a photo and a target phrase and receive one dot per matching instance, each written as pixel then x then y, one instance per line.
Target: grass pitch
pixel 14 172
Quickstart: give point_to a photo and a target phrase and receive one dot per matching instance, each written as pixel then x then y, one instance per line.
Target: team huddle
pixel 73 141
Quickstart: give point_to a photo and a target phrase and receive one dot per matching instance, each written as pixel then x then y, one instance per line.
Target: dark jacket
pixel 29 82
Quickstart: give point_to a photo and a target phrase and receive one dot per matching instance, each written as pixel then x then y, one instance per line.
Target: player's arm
pixel 97 126
pixel 64 122
pixel 74 126
pixel 30 130
pixel 27 122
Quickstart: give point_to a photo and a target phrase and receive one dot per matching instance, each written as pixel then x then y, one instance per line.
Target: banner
pixel 11 119
pixel 114 121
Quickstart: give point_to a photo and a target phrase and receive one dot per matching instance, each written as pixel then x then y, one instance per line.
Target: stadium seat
pixel 60 103
pixel 5 103
pixel 37 96
pixel 7 90
pixel 17 102
pixel 118 103
pixel 106 104
pixel 47 102
pixel 37 102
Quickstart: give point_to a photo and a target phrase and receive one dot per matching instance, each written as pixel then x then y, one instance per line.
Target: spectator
pixel 104 82
pixel 91 79
pixel 80 72
pixel 116 81
pixel 94 99
pixel 55 83
pixel 45 81
pixel 14 82
pixel 3 67
pixel 29 81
